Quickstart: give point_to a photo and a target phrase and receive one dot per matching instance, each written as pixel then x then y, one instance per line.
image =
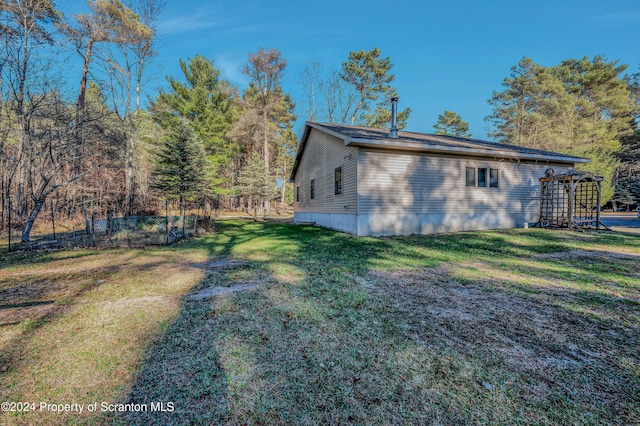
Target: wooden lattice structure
pixel 570 200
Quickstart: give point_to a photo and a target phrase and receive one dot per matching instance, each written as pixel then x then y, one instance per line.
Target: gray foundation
pixel 408 224
pixel 377 225
pixel 338 221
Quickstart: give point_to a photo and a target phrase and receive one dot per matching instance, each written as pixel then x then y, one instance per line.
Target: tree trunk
pixel 87 225
pixel 83 84
pixel 266 157
pixel 355 111
pixel 109 220
pixel 131 141
pixel 37 206
pixel 284 184
pixel 129 190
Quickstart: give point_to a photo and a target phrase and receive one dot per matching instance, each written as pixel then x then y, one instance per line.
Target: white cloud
pixel 185 24
pixel 230 70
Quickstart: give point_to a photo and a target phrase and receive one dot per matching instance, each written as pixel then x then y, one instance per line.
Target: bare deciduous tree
pixel 110 21
pixel 311 84
pixel 340 98
pixel 328 98
pixel 125 64
pixel 26 27
pixel 52 155
pixel 265 69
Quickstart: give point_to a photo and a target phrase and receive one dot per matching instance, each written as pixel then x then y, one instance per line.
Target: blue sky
pixel 447 54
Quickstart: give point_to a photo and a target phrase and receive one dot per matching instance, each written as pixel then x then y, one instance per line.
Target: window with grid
pixel 338 181
pixel 482 177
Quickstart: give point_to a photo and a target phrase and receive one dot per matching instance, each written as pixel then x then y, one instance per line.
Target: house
pixel 370 182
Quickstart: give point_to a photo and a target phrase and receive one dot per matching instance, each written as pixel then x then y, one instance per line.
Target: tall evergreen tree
pixel 180 166
pixel 286 145
pixel 532 109
pixel 370 76
pixel 209 105
pixel 627 176
pixel 581 107
pixel 269 110
pixel 255 183
pixel 451 124
pixel 110 21
pixel 265 69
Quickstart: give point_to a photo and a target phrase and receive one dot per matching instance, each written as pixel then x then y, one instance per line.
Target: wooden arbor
pixel 570 200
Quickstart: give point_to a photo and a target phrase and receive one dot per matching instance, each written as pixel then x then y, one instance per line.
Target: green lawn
pixel 505 327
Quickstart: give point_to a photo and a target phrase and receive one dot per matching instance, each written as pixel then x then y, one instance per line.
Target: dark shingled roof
pixel 355 132
pixel 423 142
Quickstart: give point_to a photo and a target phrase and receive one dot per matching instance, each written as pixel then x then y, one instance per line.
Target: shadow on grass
pixel 322 340
pixel 215 347
pixel 38 296
pixel 24 304
pixel 33 258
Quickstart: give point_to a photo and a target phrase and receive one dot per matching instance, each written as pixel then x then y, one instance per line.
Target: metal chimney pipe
pixel 394 118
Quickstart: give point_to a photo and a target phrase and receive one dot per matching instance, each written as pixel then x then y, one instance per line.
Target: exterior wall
pixel 409 193
pixel 339 221
pixel 322 155
pixel 384 224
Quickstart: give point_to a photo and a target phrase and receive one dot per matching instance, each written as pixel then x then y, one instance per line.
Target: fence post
pixel 53 219
pixel 87 225
pixel 183 218
pixel 9 202
pixel 93 225
pixel 166 207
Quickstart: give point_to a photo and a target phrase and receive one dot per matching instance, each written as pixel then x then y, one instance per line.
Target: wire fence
pixel 129 231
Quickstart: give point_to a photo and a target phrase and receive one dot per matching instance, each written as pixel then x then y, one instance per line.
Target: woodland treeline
pixel 102 136
pixel 67 143
pixel 586 107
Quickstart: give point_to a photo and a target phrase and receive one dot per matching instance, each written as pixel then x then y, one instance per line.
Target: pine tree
pixel 180 165
pixel 255 183
pixel 370 76
pixel 451 124
pixel 581 107
pixel 627 184
pixel 627 176
pixel 209 104
pixel 268 117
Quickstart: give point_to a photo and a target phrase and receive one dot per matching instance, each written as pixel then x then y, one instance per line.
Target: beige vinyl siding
pixel 322 155
pixel 392 182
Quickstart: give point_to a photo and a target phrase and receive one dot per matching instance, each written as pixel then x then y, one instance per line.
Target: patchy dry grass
pixel 74 326
pixel 509 327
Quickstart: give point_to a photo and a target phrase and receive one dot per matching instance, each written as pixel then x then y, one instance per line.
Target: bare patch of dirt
pixel 211 292
pixel 221 264
pixel 13 314
pixel 533 333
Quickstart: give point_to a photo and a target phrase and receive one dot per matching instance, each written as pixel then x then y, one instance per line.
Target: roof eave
pixel 419 147
pixel 303 143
